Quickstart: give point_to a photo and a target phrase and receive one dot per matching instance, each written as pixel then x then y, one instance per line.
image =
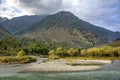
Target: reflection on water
pixel 97 75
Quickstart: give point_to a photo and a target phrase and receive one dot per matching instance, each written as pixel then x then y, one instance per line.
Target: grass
pixel 16 60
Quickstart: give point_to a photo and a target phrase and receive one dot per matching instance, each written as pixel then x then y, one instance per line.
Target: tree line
pixel 10 47
pixel 105 51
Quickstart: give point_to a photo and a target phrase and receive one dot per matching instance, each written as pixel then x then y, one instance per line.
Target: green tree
pixel 21 53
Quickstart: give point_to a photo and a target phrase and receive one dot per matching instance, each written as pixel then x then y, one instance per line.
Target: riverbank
pixel 16 59
pixel 59 66
pixel 63 66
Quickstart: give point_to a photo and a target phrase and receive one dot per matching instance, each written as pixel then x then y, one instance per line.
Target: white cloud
pixel 104 13
pixel 11 9
pixel 99 12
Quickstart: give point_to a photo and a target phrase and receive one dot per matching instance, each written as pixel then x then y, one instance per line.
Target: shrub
pixel 15 59
pixel 117 52
pixel 93 52
pixel 83 52
pixel 106 51
pixel 8 59
pixel 53 55
pixel 26 59
pixel 21 53
pixel 59 51
pixel 52 52
pixel 74 52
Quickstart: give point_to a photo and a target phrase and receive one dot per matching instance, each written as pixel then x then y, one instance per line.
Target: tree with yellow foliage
pixel 53 55
pixel 73 52
pixel 59 51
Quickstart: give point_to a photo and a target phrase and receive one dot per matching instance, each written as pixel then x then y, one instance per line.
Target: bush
pixel 15 59
pixel 108 51
pixel 21 53
pixel 105 51
pixel 117 51
pixel 83 52
pixel 52 52
pixel 74 52
pixel 93 52
pixel 26 59
pixel 9 59
pixel 53 55
pixel 59 51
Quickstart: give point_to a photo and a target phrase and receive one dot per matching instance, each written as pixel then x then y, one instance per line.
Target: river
pixel 108 72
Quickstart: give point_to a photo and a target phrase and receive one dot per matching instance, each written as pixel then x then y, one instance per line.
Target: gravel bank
pixel 60 66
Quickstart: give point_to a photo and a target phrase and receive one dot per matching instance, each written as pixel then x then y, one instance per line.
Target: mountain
pixel 3 19
pixel 65 26
pixel 4 33
pixel 115 43
pixel 18 23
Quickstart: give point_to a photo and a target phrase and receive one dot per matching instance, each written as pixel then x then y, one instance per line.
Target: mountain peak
pixel 65 12
pixel 60 19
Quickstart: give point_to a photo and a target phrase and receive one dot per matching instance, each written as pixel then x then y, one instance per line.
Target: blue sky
pixel 104 13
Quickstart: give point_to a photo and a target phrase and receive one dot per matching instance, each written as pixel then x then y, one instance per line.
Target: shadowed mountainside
pixel 4 33
pixel 18 23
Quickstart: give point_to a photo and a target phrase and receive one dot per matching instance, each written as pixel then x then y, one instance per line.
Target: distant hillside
pixel 18 23
pixel 65 26
pixel 4 33
pixel 115 43
pixel 3 19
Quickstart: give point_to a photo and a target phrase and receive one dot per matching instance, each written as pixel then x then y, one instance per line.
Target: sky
pixel 104 13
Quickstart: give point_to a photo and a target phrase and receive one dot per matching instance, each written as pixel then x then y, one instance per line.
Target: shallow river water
pixel 108 72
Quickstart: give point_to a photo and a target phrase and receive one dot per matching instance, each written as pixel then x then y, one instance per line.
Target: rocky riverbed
pixel 59 66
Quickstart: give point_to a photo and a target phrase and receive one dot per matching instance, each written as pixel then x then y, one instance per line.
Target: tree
pixel 21 53
pixel 52 52
pixel 93 52
pixel 59 51
pixel 83 52
pixel 117 52
pixel 53 55
pixel 72 52
pixel 108 51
